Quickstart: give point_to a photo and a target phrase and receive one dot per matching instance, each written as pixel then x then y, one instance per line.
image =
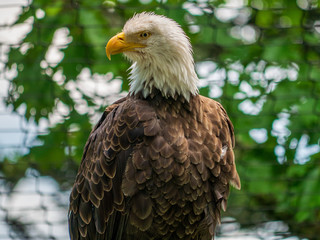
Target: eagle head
pixel 161 56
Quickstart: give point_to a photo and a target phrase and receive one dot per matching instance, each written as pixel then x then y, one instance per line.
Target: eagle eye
pixel 145 35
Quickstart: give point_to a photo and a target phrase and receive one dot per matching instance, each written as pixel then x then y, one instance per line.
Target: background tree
pixel 260 58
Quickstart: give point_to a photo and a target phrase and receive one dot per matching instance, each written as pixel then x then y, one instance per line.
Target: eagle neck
pixel 170 77
pixel 176 106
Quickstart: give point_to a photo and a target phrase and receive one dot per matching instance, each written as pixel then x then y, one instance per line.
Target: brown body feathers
pixel 154 168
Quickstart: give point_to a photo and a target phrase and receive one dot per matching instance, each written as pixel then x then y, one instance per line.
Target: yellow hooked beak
pixel 118 44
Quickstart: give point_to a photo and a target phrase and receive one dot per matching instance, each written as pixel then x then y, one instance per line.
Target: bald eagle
pixel 159 163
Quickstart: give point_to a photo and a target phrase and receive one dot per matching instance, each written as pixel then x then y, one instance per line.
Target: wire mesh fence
pixel 260 59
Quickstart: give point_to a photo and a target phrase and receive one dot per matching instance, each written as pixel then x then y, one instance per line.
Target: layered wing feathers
pixel 97 201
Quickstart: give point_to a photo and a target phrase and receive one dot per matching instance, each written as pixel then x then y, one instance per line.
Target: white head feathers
pixel 166 63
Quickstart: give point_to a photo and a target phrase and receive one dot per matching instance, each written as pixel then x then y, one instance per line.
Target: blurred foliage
pixel 267 53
